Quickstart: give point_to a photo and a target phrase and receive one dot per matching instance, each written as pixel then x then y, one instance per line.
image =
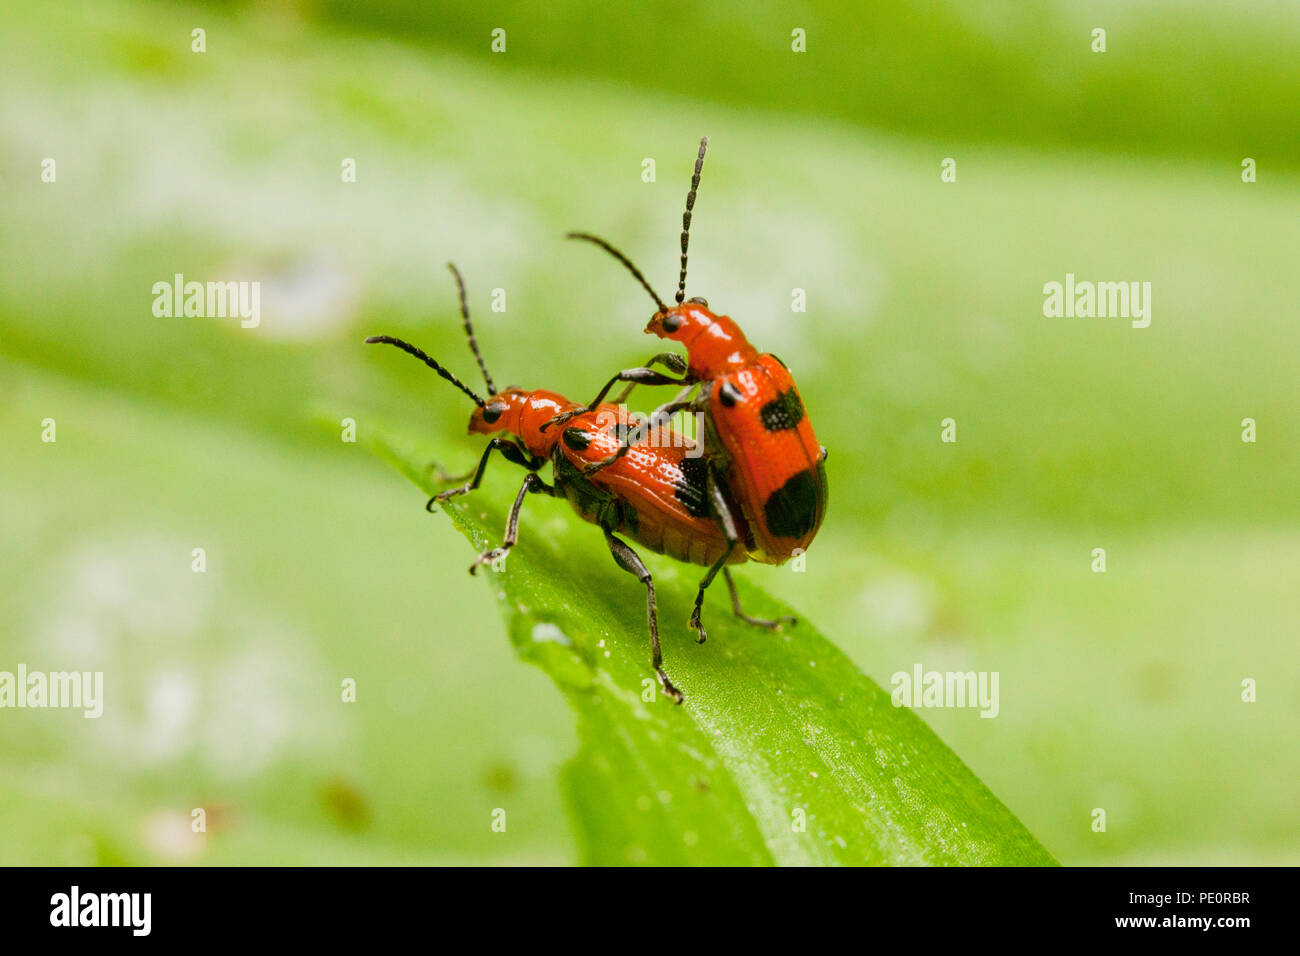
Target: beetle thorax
pixel 715 344
pixel 522 414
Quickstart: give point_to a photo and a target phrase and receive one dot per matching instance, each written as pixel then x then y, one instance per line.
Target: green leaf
pixel 777 729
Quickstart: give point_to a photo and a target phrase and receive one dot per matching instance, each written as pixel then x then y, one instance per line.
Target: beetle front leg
pixel 669 360
pixel 635 376
pixel 509 450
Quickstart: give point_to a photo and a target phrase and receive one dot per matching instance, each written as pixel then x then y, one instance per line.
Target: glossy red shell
pixel 656 481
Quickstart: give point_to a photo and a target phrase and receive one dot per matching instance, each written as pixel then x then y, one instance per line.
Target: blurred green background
pixel 1119 691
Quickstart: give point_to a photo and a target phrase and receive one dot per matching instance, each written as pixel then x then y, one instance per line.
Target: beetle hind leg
pixel 630 561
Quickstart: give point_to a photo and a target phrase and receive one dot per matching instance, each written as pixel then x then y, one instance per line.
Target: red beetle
pixel 656 494
pixel 760 444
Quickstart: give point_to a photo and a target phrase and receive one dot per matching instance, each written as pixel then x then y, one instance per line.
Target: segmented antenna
pixel 686 217
pixel 469 329
pixel 588 237
pixel 410 349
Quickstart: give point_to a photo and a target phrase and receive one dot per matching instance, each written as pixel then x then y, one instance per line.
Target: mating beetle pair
pixel 757 492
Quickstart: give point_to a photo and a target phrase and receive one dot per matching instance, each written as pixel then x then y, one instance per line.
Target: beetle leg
pixel 635 376
pixel 696 624
pixel 679 403
pixel 594 467
pixel 621 397
pixel 656 419
pixel 531 483
pixel 443 476
pixel 723 514
pixel 664 413
pixel 629 561
pixel 639 431
pixel 669 360
pixel 511 451
pixel 774 625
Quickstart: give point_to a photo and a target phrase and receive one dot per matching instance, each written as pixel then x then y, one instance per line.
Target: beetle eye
pixel 671 322
pixel 492 412
pixel 699 300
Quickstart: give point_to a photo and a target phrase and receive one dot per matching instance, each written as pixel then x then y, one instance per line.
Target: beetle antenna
pixel 686 217
pixel 588 237
pixel 410 349
pixel 469 329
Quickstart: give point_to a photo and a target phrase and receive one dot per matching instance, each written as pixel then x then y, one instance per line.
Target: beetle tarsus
pixel 696 624
pixel 563 417
pixel 669 690
pixel 489 557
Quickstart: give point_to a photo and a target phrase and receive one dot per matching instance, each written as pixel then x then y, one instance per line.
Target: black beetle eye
pixel 729 395
pixel 672 322
pixel 699 300
pixel 492 412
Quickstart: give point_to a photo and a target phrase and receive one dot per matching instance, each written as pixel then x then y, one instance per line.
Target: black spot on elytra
pixel 783 412
pixel 791 510
pixel 693 489
pixel 576 438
